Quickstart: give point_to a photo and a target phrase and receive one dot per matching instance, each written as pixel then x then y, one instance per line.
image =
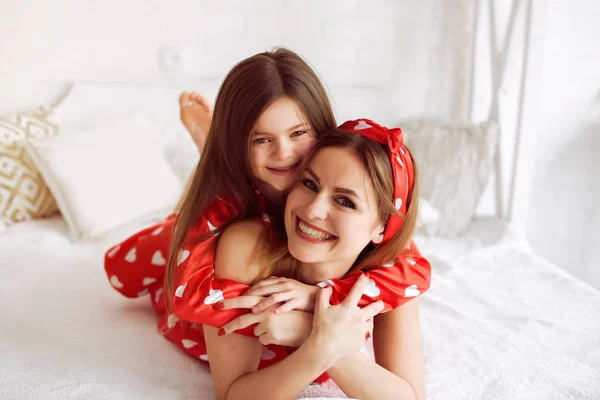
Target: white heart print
pixel 398 203
pixel 148 281
pixel 388 264
pixel 266 218
pixel 267 354
pixel 157 295
pixel 130 257
pixel 214 296
pixel 399 161
pixel 172 321
pixel 325 284
pixel 182 256
pixel 361 125
pixel 187 343
pixel 158 259
pixel 157 231
pixel 411 291
pixel 116 282
pixel 410 260
pixel 204 357
pixel 180 290
pixel 372 290
pixel 113 251
pixel 211 226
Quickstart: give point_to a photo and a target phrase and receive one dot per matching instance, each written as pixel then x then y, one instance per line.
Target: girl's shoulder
pixel 238 251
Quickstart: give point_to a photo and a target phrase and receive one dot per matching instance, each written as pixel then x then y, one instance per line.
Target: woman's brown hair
pixel 224 168
pixel 374 159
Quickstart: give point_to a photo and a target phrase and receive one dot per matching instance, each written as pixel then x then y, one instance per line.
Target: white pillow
pixel 455 162
pixel 106 175
pixel 428 219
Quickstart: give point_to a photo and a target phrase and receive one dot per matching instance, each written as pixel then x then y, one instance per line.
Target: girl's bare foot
pixel 195 113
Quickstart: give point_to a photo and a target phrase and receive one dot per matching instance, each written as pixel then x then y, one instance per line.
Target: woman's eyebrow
pixel 335 189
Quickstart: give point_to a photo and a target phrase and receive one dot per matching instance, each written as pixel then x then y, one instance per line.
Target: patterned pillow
pixel 455 162
pixel 23 194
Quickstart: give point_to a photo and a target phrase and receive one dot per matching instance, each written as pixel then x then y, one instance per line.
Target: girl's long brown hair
pixel 375 161
pixel 224 168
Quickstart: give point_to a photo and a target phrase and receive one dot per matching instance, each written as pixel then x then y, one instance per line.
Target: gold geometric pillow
pixel 23 194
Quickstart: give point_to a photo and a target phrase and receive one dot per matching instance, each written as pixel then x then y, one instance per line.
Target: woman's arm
pixel 234 361
pixel 234 358
pixel 399 372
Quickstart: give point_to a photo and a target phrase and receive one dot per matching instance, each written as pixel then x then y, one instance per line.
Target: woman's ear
pixel 378 234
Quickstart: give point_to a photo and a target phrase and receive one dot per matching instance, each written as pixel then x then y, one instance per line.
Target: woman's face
pixel 331 214
pixel 280 140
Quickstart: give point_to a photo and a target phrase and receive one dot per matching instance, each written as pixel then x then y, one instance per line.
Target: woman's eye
pixel 261 140
pixel 298 133
pixel 346 202
pixel 309 184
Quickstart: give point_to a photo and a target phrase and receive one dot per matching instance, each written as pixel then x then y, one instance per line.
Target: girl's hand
pixel 290 329
pixel 341 330
pixel 292 294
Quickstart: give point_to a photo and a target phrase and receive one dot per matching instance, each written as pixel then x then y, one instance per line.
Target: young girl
pixel 267 116
pixel 351 209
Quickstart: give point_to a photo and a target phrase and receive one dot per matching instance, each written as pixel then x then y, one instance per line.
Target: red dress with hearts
pixel 136 267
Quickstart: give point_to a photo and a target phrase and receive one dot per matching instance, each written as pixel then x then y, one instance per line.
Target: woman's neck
pixel 313 273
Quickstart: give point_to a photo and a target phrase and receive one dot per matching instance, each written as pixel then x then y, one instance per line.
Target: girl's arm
pixel 399 372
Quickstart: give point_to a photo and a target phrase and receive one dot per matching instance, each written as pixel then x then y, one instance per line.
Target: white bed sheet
pixel 498 323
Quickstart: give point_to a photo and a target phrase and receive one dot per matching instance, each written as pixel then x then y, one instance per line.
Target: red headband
pixel 402 166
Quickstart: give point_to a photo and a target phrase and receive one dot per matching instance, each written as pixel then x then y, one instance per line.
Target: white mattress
pixel 498 323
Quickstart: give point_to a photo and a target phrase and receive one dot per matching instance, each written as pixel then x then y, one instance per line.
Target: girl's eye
pixel 346 202
pixel 298 133
pixel 309 184
pixel 261 140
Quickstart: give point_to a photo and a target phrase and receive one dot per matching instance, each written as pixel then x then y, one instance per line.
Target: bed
pixel 499 322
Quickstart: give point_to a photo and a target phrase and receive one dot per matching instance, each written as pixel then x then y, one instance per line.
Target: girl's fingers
pixel 239 302
pixel 372 310
pixel 272 300
pixel 287 307
pixel 264 282
pixel 268 290
pixel 240 322
pixel 356 292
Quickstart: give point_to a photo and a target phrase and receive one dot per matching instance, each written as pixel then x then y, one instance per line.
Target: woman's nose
pixel 317 208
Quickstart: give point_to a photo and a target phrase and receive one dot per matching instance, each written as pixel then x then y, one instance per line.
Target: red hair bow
pixel 400 160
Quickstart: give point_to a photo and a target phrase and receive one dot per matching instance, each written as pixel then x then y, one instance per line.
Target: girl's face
pixel 331 215
pixel 279 141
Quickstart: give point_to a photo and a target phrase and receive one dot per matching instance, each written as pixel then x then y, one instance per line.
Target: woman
pixel 351 208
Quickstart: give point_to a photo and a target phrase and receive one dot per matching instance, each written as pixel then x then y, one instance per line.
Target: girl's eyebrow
pixel 292 128
pixel 335 189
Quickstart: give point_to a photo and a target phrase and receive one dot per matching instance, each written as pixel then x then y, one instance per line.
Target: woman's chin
pixel 303 254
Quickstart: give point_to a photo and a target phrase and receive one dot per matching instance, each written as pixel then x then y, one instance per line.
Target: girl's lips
pixel 284 171
pixel 309 238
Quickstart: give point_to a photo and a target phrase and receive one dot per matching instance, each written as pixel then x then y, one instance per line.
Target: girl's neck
pixel 277 197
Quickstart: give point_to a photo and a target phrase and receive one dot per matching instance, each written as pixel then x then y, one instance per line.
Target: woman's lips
pixel 311 233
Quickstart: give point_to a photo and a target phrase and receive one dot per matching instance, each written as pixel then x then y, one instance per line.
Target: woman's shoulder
pixel 238 251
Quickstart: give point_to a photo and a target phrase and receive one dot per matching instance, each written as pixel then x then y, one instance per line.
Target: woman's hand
pixel 289 329
pixel 342 329
pixel 292 294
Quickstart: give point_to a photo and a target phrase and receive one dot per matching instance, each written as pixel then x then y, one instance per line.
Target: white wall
pixel 564 217
pixel 557 193
pixel 388 58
